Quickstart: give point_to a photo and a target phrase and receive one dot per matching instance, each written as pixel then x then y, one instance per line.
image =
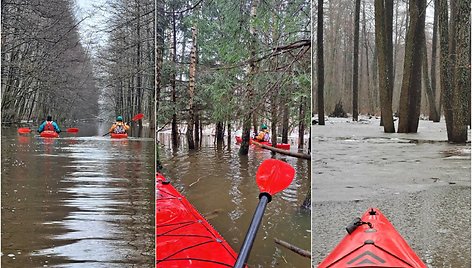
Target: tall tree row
pixel 414 63
pixel 127 61
pixel 252 59
pixel 46 68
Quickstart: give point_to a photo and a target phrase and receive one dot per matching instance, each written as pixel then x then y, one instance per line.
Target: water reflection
pixel 77 201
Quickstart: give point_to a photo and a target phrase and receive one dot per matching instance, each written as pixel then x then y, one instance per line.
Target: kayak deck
pixel 183 237
pixel 284 146
pixel 378 245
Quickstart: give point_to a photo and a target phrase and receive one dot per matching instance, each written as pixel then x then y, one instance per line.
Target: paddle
pixel 272 177
pixel 24 130
pixel 135 118
pixel 72 130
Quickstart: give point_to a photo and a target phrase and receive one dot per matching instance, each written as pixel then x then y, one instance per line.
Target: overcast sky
pixel 90 28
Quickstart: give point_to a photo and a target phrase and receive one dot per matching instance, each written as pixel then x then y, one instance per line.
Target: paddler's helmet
pixel 264 126
pixel 119 118
pixel 49 118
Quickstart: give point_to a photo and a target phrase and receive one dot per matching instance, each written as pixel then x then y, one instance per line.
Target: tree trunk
pixel 285 124
pixel 384 51
pixel 319 59
pixel 175 131
pixel 410 97
pixel 433 112
pixel 434 88
pixel 197 127
pixel 158 54
pixel 244 148
pixel 301 123
pixel 220 135
pixel 445 75
pixel 355 73
pixel 191 90
pixel 460 15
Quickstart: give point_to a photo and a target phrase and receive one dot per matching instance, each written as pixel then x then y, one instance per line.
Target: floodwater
pixel 81 200
pixel 420 182
pixel 221 186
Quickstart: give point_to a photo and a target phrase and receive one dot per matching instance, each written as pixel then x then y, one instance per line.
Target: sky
pixel 90 28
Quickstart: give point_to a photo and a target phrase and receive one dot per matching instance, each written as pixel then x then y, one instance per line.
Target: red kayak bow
pixel 183 237
pixel 372 242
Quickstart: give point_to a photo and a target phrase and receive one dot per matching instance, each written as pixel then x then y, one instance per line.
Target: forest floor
pixel 412 178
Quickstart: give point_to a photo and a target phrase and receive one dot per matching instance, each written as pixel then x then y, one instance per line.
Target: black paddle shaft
pixel 264 198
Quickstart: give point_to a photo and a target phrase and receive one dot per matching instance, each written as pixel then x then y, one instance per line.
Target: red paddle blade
pixel 23 130
pixel 274 175
pixel 137 117
pixel 72 130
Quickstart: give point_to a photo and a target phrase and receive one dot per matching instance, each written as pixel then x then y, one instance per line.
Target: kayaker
pixel 264 134
pixel 119 127
pixel 49 125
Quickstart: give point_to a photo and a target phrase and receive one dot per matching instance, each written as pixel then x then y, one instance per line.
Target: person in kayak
pixel 119 127
pixel 264 134
pixel 49 125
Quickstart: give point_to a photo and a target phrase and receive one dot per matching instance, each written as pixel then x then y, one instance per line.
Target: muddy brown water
pixel 81 200
pixel 419 182
pixel 221 185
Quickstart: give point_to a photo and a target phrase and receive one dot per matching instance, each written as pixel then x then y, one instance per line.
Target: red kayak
pixel 119 135
pixel 183 237
pixel 372 242
pixel 49 134
pixel 284 146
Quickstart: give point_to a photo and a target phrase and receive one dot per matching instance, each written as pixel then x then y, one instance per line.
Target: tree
pixel 319 59
pixel 410 99
pixel 355 74
pixel 383 41
pixel 460 67
pixel 191 90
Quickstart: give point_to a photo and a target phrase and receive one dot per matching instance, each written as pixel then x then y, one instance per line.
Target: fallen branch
pixel 281 151
pixel 302 252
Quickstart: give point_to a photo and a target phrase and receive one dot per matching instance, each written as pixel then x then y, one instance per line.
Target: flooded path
pixel 420 183
pixel 77 201
pixel 221 185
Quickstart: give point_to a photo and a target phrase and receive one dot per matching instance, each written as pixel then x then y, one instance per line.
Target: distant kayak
pixel 119 135
pixel 372 242
pixel 284 146
pixel 183 237
pixel 49 134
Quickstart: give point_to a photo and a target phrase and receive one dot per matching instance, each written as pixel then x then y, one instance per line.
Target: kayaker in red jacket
pixel 264 134
pixel 49 125
pixel 119 127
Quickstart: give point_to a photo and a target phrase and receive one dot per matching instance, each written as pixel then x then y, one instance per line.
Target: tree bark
pixel 355 73
pixel 191 91
pixel 285 124
pixel 433 112
pixel 435 117
pixel 320 60
pixel 445 74
pixel 460 15
pixel 384 49
pixel 175 131
pixel 410 97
